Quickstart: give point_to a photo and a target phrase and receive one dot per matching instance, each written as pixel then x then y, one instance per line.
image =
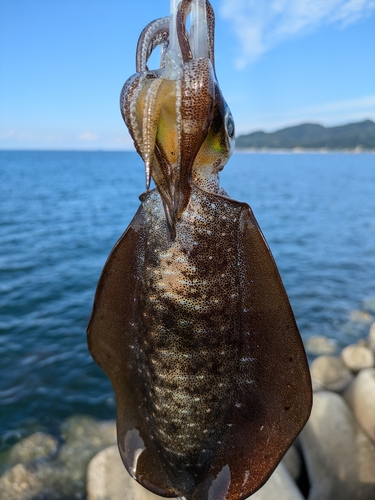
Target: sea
pixel 62 212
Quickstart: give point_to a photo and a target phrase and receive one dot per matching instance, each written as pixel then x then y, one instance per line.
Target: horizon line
pixel 294 150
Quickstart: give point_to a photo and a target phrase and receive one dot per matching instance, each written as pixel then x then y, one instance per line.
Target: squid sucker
pixel 191 321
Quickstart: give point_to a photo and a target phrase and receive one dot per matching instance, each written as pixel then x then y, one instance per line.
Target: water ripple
pixel 61 213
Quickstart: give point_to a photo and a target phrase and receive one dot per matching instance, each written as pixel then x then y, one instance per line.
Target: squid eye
pixel 230 126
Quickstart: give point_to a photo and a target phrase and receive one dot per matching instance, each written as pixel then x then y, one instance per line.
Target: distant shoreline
pixel 353 137
pixel 304 151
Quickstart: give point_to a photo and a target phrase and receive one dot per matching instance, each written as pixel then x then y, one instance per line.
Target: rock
pixel 360 395
pixel 371 338
pixel 35 447
pixel 360 317
pixel 319 344
pixel 357 324
pixel 340 458
pixel 53 473
pixel 49 473
pixel 362 342
pixel 84 438
pixel 19 483
pixel 356 357
pixel 42 481
pixel 293 462
pixel 329 372
pixel 107 479
pixel 83 428
pixel 280 486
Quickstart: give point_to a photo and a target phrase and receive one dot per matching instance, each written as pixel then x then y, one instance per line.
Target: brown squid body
pixel 191 321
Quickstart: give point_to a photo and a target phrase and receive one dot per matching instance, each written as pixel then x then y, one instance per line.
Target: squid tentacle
pixel 150 125
pixel 183 38
pixel 154 34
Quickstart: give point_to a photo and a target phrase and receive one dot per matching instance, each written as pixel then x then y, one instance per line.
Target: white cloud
pixel 260 25
pixel 13 135
pixel 88 136
pixel 8 134
pixel 113 139
pixel 328 114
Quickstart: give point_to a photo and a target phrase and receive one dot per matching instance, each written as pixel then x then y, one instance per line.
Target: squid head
pixel 179 121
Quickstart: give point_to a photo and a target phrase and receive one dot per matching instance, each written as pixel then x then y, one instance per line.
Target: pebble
pixel 356 357
pixel 318 345
pixel 360 396
pixel 330 373
pixel 340 458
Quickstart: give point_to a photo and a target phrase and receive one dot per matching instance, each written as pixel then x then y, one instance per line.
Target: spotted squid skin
pixel 191 340
pixel 191 321
pixel 182 14
pixel 211 387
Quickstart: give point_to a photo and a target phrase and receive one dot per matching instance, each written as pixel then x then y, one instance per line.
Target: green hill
pixel 312 136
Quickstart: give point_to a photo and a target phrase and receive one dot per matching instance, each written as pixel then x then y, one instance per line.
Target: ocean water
pixel 61 213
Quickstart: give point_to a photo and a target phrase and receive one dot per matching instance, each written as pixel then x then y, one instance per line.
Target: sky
pixel 279 63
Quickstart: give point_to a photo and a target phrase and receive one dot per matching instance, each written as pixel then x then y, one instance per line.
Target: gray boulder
pixel 40 481
pixel 360 395
pixel 46 472
pixel 340 458
pixel 38 446
pixel 280 486
pixel 330 372
pixel 318 345
pixel 84 438
pixel 19 483
pixel 107 479
pixel 293 462
pixel 371 338
pixel 357 357
pixel 360 317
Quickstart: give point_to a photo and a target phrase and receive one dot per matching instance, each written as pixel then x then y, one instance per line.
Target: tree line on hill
pixel 359 136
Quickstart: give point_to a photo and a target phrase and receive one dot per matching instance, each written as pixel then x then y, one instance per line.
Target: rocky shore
pixel 332 459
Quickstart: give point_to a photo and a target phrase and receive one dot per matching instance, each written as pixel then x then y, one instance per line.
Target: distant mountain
pixel 312 136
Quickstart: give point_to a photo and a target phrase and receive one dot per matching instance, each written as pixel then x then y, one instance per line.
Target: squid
pixel 191 321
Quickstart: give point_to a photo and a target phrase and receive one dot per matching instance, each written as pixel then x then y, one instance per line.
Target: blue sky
pixel 279 63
